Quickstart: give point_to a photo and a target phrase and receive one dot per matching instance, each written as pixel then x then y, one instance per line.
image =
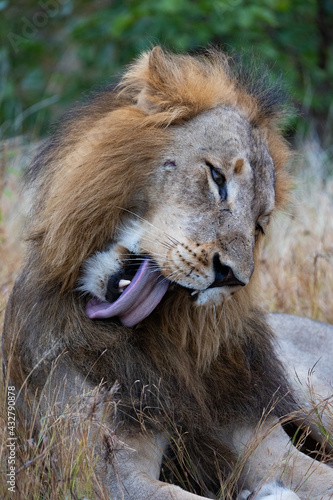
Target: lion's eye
pixel 259 229
pixel 219 180
pixel 262 224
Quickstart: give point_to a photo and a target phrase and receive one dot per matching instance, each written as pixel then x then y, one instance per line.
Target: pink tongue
pixel 137 301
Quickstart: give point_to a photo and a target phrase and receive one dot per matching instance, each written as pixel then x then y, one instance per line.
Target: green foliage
pixel 52 51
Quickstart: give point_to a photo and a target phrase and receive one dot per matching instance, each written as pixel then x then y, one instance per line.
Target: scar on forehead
pixel 238 165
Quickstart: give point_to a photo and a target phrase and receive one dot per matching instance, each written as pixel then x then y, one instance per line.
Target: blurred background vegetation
pixel 53 51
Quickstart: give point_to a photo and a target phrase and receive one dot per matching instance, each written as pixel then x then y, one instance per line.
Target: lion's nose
pixel 224 275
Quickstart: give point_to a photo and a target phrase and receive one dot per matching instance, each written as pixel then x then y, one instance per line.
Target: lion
pixel 141 274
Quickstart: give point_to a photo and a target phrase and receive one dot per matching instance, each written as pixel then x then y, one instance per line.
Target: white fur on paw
pixel 96 272
pixel 271 491
pixel 98 268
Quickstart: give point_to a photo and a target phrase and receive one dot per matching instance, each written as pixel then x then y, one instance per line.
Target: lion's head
pixel 179 171
pixel 208 200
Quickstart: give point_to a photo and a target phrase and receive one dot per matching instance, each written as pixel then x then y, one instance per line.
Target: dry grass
pixel 13 208
pixel 297 261
pixel 297 278
pixel 60 462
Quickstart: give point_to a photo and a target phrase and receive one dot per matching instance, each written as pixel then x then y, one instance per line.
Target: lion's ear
pixel 178 87
pixel 159 82
pixel 159 61
pixel 159 67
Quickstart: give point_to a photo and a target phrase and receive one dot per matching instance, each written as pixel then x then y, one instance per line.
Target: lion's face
pixel 208 200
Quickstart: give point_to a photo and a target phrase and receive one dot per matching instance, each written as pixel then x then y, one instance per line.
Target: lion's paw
pixel 271 491
pixel 98 270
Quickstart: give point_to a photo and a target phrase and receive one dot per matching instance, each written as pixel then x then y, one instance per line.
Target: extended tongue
pixel 137 301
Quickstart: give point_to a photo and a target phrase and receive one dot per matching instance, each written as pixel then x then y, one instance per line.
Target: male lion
pixel 150 205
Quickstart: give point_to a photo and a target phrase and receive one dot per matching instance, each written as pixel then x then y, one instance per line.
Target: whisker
pixel 156 254
pixel 140 218
pixel 131 256
pixel 172 239
pixel 166 245
pixel 172 276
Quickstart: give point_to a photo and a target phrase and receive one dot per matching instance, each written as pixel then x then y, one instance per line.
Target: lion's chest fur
pixel 159 374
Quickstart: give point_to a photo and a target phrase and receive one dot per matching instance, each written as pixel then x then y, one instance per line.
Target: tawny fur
pixel 200 368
